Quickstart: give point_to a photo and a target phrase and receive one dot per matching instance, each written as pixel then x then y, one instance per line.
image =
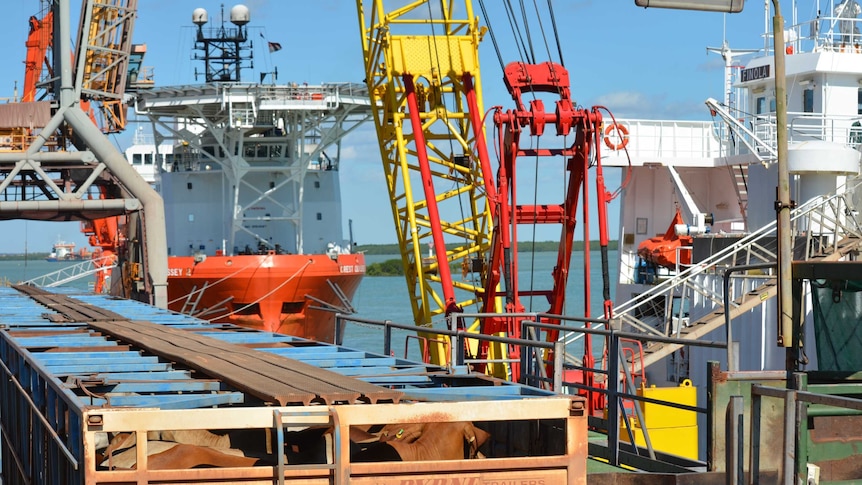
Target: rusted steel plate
pixel 271 378
pixel 72 310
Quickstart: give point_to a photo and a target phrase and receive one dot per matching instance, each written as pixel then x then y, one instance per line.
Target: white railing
pixel 669 139
pixel 756 133
pixel 837 33
pixel 73 272
pixel 824 221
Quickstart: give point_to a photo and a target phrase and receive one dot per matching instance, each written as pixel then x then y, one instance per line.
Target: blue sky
pixel 640 63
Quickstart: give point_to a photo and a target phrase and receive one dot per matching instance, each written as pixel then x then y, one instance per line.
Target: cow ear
pixel 475 436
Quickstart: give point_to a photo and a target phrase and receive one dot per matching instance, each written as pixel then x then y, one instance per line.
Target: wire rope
pixel 556 32
pixel 266 295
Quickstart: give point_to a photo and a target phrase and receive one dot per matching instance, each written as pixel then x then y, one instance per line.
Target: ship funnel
pixel 199 16
pixel 239 15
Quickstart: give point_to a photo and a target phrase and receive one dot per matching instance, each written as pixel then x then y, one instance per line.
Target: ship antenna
pixel 225 51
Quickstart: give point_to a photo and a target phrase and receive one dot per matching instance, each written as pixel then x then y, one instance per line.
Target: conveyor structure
pixel 80 368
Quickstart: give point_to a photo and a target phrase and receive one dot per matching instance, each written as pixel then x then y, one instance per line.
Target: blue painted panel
pixel 181 401
pixel 64 341
pixel 471 393
pixel 64 370
pixel 69 357
pixel 327 363
pixel 400 380
pixel 144 376
pixel 382 370
pixel 167 386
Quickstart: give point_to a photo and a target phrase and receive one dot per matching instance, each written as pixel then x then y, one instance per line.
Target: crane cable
pixel 527 52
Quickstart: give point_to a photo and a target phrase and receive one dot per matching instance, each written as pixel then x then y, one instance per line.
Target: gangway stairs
pixel 832 233
pixel 739 173
pixel 73 272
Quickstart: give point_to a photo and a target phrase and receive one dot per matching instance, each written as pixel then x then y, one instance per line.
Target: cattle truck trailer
pixel 84 372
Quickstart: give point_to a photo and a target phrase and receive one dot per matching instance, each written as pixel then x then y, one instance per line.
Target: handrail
pixel 825 212
pixel 38 413
pixel 73 272
pixel 533 321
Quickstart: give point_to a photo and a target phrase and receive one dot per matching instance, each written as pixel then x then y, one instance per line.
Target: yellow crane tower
pixel 422 70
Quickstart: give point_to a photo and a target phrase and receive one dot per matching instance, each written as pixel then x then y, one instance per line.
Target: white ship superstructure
pixel 722 176
pixel 249 173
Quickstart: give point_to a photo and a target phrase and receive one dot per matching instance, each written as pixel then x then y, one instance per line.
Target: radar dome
pixel 239 15
pixel 199 16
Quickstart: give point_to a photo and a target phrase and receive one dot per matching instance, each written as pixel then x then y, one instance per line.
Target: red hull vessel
pixel 267 292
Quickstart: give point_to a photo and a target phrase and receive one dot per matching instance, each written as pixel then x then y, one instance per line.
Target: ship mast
pixel 728 54
pixel 224 50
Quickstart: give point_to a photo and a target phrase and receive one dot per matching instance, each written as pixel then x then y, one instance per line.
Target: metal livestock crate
pixel 81 369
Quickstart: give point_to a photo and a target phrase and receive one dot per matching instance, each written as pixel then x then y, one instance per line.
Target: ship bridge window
pixel 137 159
pixel 148 159
pixel 859 101
pixel 211 150
pixel 760 105
pixel 262 151
pixel 808 100
pixel 772 105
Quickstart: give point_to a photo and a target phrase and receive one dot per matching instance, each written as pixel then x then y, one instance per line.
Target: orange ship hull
pixel 267 291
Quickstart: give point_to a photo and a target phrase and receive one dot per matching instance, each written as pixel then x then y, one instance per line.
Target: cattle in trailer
pixel 183 449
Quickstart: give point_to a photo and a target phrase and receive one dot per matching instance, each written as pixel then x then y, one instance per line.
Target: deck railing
pixel 73 272
pixel 823 222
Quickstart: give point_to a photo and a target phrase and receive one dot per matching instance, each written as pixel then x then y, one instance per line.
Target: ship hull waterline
pixel 266 291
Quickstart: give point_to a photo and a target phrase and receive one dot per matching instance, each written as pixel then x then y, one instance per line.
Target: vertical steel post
pixel 788 471
pixel 559 348
pixel 735 433
pixel 754 453
pixel 713 368
pixel 613 401
pixel 387 337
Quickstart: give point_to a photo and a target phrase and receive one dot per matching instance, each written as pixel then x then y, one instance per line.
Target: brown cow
pixel 421 442
pixel 175 450
pixel 183 456
pixel 241 448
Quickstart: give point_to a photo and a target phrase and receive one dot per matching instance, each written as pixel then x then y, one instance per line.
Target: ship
pixel 700 201
pixel 249 174
pixel 65 251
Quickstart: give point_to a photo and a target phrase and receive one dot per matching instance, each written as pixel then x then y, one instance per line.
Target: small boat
pixel 670 250
pixel 63 251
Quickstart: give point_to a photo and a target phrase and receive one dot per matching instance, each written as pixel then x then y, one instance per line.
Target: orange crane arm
pixel 39 40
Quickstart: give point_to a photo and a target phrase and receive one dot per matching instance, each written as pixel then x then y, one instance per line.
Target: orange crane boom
pixel 39 40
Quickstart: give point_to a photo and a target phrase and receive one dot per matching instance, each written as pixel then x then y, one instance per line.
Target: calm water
pixel 386 298
pixel 382 298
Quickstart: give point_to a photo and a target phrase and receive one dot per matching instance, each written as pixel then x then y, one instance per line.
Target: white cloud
pixel 633 104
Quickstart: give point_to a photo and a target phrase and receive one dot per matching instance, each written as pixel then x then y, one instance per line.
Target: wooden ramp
pixel 656 351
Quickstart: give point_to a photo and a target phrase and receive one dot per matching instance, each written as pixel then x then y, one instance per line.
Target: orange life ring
pixel 619 132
